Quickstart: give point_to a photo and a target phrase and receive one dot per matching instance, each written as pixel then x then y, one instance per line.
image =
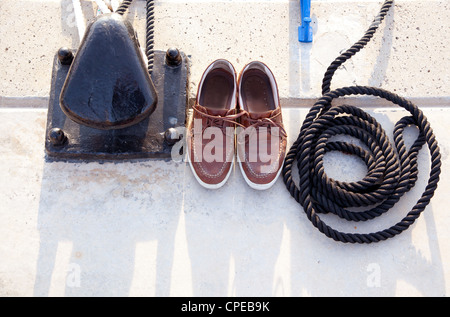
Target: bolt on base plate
pixel 68 140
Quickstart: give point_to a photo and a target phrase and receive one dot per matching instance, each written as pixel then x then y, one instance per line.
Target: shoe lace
pixel 217 120
pixel 263 122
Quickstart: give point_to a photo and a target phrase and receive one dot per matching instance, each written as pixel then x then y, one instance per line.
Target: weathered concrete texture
pixel 407 55
pixel 149 229
pixel 30 33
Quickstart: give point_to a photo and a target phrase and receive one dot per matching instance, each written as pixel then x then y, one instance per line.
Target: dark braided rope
pixel 149 34
pixel 124 7
pixel 391 171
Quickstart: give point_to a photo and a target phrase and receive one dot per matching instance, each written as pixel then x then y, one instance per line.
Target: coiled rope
pixel 150 22
pixel 391 171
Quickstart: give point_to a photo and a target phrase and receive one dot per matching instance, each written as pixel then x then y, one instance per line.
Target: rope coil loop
pixel 392 169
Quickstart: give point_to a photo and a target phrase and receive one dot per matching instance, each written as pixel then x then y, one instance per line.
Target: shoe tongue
pixel 215 112
pixel 261 115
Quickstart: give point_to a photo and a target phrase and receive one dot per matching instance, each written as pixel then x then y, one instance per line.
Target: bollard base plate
pixel 144 140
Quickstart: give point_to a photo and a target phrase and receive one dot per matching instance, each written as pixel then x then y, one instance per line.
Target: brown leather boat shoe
pixel 211 128
pixel 261 137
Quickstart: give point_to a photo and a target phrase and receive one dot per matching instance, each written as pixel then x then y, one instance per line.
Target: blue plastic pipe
pixel 305 34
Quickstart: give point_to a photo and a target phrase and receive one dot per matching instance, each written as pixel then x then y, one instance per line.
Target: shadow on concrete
pixel 323 267
pixel 98 215
pixel 378 75
pixel 114 230
pixel 299 54
pixel 69 22
pixel 234 236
